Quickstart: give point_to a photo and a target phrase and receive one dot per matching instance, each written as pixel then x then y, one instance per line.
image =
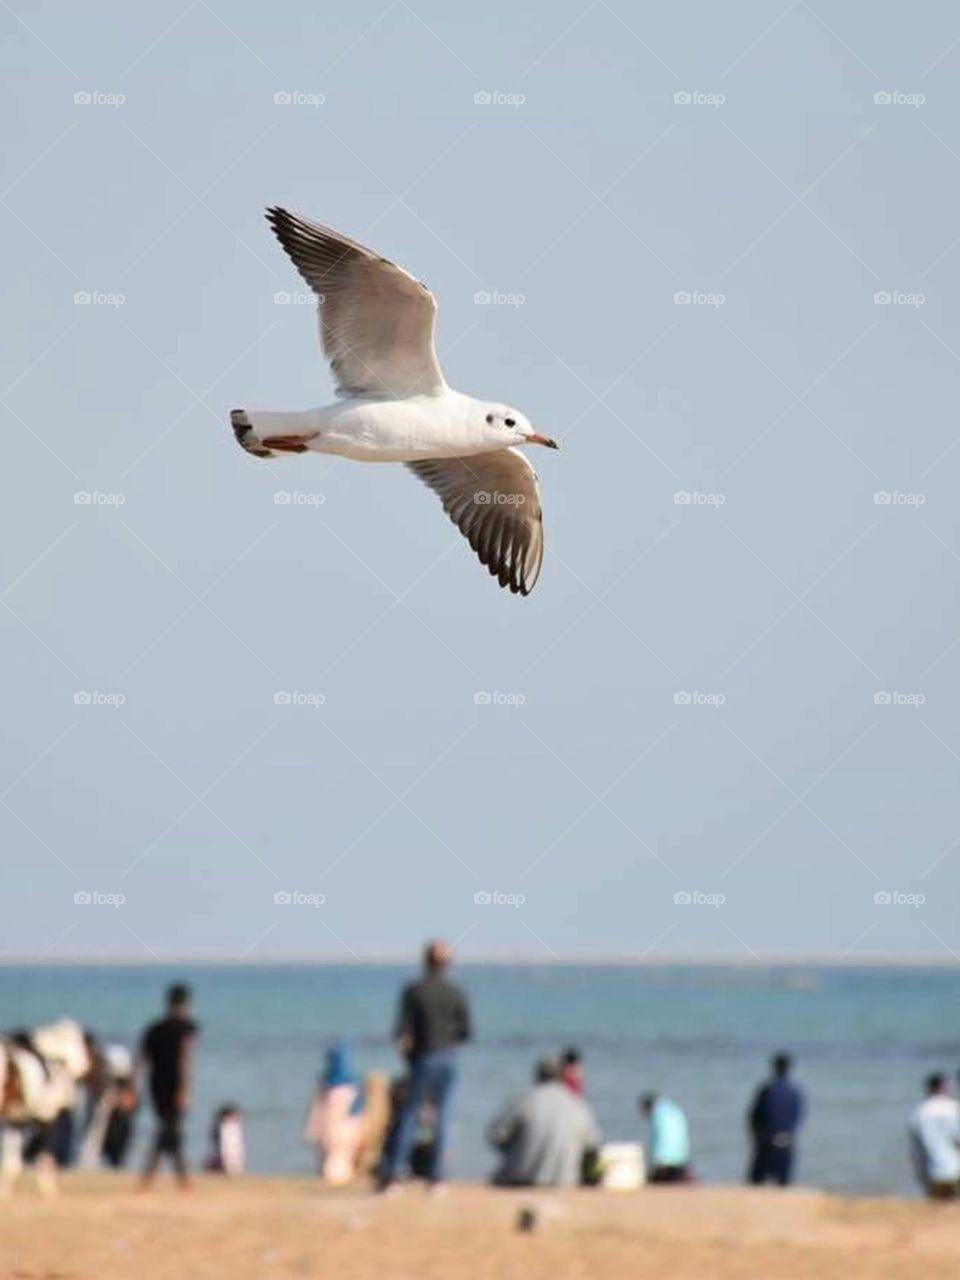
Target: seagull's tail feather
pixel 247 438
pixel 268 435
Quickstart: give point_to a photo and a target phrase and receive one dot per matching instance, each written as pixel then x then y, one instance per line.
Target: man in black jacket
pixel 433 1020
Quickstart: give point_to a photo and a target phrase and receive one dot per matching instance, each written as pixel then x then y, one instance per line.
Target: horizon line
pixel 407 959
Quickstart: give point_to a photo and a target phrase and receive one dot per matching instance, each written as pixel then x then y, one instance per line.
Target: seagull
pixel 394 405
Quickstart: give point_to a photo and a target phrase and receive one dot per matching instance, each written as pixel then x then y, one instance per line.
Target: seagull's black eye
pixel 490 417
pixel 509 422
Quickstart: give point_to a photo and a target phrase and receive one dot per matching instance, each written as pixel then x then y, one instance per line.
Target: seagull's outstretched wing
pixel 494 500
pixel 376 320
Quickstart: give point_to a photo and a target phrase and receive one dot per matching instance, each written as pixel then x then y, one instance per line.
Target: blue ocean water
pixel 863 1039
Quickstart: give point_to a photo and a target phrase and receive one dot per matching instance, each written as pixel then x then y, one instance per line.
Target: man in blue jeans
pixel 433 1020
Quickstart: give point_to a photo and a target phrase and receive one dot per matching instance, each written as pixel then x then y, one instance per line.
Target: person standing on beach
pixel 935 1139
pixel 775 1115
pixel 166 1051
pixel 433 1020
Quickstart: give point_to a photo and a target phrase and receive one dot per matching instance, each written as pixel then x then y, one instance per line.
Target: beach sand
pixel 99 1228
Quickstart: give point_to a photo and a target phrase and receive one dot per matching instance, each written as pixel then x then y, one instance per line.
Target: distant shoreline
pixel 406 958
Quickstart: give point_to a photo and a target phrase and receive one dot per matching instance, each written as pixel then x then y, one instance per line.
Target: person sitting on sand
pixel 934 1140
pixel 335 1122
pixel 668 1155
pixel 543 1136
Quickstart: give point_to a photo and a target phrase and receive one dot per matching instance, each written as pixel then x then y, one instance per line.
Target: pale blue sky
pixel 598 198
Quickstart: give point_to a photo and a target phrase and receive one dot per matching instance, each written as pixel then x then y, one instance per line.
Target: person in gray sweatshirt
pixel 542 1137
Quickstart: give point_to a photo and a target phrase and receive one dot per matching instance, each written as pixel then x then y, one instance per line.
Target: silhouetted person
pixel 668 1154
pixel 433 1020
pixel 775 1116
pixel 934 1138
pixel 165 1052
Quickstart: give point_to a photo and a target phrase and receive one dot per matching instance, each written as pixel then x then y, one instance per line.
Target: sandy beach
pixel 100 1229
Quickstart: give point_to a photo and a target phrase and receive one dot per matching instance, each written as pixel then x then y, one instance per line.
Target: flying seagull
pixel 394 405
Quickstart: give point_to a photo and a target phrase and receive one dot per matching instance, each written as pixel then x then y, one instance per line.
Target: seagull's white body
pixel 445 425
pixel 376 328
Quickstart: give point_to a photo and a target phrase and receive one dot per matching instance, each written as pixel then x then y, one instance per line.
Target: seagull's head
pixel 508 426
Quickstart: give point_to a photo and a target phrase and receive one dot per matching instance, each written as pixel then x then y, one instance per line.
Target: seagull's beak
pixel 545 440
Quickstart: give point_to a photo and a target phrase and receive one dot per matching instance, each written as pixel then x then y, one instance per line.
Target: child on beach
pixel 228 1152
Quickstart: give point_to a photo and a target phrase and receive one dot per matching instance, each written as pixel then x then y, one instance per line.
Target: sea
pixel 863 1040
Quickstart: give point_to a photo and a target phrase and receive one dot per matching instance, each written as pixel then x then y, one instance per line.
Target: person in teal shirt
pixel 668 1156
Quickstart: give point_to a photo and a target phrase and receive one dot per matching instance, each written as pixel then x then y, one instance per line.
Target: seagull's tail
pixel 247 438
pixel 267 435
